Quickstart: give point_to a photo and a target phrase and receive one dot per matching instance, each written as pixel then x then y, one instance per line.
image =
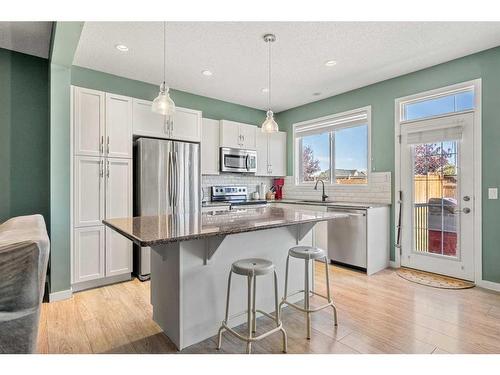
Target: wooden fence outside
pixel 433 186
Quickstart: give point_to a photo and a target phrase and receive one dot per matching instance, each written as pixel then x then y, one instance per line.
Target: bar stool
pixel 308 253
pixel 251 268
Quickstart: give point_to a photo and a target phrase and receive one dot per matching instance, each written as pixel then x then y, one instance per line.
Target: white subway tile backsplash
pixel 377 191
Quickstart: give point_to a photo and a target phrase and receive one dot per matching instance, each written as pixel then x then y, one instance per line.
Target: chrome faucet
pixel 323 196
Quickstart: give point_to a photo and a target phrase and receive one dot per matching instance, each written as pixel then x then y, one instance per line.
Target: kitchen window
pixel 334 149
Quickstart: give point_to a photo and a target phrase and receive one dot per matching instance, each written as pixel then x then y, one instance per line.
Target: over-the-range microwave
pixel 236 160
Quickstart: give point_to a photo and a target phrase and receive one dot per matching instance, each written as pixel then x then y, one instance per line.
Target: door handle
pixel 101 147
pixel 466 198
pixel 107 168
pixel 246 162
pixel 466 210
pixel 101 169
pixel 107 146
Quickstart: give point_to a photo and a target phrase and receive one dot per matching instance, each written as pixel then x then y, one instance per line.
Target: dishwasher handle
pixel 349 212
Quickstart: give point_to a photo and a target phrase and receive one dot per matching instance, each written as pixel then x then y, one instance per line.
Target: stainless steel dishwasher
pixel 347 238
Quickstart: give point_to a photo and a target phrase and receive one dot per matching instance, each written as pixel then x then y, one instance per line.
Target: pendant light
pixel 269 125
pixel 163 104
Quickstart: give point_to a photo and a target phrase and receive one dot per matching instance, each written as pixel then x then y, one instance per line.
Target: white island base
pixel 189 279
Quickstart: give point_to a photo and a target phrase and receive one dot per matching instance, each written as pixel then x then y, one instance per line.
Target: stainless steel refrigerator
pixel 167 180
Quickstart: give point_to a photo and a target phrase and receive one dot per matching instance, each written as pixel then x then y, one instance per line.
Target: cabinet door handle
pixel 107 168
pixel 171 127
pixel 101 146
pixel 166 126
pixel 101 170
pixel 107 145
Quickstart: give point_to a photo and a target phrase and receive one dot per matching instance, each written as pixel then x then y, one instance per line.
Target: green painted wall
pixel 212 108
pixel 24 135
pixel 381 96
pixel 65 37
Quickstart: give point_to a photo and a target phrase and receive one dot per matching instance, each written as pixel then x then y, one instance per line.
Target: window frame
pixel 297 147
pixel 435 94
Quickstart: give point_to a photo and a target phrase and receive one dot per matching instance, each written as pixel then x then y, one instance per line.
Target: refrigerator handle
pixel 176 181
pixel 169 182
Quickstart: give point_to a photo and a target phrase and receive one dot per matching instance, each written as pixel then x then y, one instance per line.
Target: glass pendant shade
pixel 269 125
pixel 163 104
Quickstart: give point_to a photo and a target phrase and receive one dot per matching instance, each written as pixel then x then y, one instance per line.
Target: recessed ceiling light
pixel 265 90
pixel 121 47
pixel 207 73
pixel 330 63
pixel 316 93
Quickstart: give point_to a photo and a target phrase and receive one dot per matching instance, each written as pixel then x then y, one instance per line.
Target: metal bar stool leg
pixel 328 293
pixel 278 313
pixel 254 313
pixel 249 313
pixel 306 299
pixel 226 317
pixel 286 284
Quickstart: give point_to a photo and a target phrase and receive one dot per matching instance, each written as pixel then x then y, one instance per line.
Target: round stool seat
pixel 306 252
pixel 252 266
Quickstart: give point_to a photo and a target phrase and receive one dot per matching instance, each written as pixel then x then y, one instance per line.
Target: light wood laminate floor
pixel 382 313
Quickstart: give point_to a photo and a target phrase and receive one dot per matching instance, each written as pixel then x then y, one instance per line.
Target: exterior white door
pixel 437 175
pixel 118 126
pixel 118 204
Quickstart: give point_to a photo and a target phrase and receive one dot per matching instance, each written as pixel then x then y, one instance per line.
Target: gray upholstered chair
pixel 24 253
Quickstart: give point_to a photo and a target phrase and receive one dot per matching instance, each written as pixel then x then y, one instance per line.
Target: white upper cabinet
pixel 146 122
pixel 88 185
pixel 118 137
pixel 185 125
pixel 271 154
pixel 210 147
pixel 88 116
pixel 237 135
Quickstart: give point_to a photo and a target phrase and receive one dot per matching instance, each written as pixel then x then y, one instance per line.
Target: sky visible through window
pixel 350 148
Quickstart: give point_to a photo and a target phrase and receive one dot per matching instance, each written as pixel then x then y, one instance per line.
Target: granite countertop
pixel 360 205
pixel 158 230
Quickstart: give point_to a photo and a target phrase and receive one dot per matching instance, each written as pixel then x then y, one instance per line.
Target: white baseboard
pixel 61 295
pixel 393 264
pixel 489 285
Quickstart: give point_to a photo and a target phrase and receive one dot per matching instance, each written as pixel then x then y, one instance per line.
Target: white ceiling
pixel 366 52
pixel 32 38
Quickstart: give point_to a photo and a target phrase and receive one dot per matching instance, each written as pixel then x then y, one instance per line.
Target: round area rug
pixel 433 280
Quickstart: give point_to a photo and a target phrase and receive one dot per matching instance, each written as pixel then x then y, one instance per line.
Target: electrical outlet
pixel 492 193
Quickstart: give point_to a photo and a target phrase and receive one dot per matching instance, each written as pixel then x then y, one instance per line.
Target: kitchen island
pixel 192 255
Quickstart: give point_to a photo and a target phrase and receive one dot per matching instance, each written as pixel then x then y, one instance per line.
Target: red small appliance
pixel 278 188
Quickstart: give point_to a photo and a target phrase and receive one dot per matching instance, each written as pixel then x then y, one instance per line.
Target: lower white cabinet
pixel 88 253
pixel 102 188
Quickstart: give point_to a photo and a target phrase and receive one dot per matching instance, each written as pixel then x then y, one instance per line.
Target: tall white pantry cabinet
pixel 101 186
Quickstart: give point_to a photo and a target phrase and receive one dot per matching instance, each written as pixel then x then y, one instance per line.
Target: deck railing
pixel 421 227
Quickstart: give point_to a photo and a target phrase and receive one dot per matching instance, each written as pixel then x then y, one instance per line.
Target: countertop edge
pixel 199 236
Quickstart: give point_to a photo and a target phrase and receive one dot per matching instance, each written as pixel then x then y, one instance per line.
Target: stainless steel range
pixel 235 195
